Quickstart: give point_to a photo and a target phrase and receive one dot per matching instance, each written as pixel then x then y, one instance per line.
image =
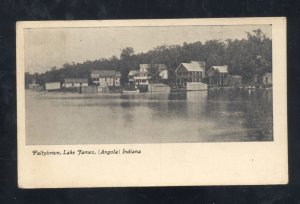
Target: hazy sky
pixel 48 47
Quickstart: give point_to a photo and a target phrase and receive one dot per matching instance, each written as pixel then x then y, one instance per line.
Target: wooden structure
pixel 190 72
pixel 159 87
pixel 76 82
pixel 217 75
pixel 106 77
pixel 196 86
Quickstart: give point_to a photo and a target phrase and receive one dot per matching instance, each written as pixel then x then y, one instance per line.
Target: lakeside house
pixel 76 82
pixel 131 75
pixel 51 86
pixel 190 72
pixel 106 77
pixel 217 75
pixel 267 78
pixel 233 80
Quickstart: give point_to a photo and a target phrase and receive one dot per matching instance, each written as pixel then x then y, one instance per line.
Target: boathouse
pixel 76 82
pixel 217 74
pixel 106 77
pixel 51 86
pixel 190 72
pixel 159 87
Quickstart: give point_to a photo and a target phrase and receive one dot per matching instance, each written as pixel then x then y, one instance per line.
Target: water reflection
pixel 209 116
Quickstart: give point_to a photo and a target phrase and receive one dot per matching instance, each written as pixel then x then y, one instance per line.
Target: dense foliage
pixel 245 57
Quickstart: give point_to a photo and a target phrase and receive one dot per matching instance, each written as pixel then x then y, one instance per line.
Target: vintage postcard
pixel 178 102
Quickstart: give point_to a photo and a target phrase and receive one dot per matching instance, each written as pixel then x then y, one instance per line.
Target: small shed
pixel 267 78
pixel 234 80
pixel 196 86
pixel 159 87
pixel 49 86
pixel 76 82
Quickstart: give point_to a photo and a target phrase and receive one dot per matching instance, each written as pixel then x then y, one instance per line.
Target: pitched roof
pixel 134 72
pixel 76 80
pixel 160 67
pixel 220 69
pixel 104 73
pixel 194 66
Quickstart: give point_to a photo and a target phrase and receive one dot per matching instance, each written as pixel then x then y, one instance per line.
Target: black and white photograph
pixel 156 102
pixel 148 84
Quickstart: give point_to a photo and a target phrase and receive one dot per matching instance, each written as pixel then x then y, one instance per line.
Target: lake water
pixel 210 116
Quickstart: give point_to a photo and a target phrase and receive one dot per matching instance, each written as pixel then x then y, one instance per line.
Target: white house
pixel 106 77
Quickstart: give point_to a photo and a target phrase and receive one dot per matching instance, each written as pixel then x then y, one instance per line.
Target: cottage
pixel 52 86
pixel 233 80
pixel 160 69
pixel 217 75
pixel 190 72
pixel 267 78
pixel 75 82
pixel 131 75
pixel 106 77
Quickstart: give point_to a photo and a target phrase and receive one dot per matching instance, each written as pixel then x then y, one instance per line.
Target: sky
pixel 48 47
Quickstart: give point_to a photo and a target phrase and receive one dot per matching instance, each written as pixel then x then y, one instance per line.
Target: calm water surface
pixel 213 116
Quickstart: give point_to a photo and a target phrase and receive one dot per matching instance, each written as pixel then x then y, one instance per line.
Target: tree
pixel 126 63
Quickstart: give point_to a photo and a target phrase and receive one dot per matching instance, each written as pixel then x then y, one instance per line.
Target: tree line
pixel 245 57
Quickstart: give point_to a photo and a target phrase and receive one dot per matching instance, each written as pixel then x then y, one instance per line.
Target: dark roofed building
pixel 190 72
pixel 217 74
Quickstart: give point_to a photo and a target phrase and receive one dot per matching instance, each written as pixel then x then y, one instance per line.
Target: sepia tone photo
pixel 156 84
pixel 174 102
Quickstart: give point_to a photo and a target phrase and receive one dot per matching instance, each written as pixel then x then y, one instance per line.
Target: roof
pixel 160 67
pixel 105 73
pixel 194 66
pixel 220 69
pixel 76 80
pixel 134 72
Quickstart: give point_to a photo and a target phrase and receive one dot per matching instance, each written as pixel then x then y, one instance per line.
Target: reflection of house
pixel 76 82
pixel 217 74
pixel 106 77
pixel 233 80
pixel 190 72
pixel 49 86
pixel 267 78
pixel 160 69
